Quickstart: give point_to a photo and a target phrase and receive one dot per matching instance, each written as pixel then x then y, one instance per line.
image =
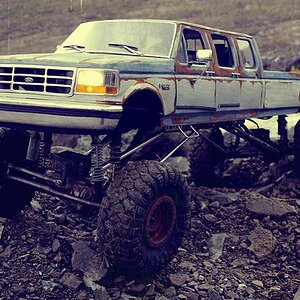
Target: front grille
pixel 36 79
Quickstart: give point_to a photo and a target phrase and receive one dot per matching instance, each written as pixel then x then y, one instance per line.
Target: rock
pixel 179 162
pixel 216 243
pixel 88 261
pixel 6 253
pixel 101 294
pixel 138 289
pixel 263 243
pixel 250 290
pixel 297 248
pixel 82 295
pixel 1 230
pixel 187 265
pixel 232 295
pixel 55 245
pixel 48 285
pixel 240 262
pixel 215 204
pixel 178 279
pixel 264 206
pixel 297 295
pixel 258 283
pixel 170 292
pixel 150 290
pixel 213 295
pixel 90 283
pixel 241 287
pixel 210 218
pixel 208 264
pixel 35 205
pixel 160 297
pixel 71 281
pixel 205 286
pixel 191 295
pixel 3 220
pixel 222 198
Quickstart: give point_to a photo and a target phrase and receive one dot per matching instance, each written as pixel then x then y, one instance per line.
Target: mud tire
pixel 297 148
pixel 203 157
pixel 13 148
pixel 123 223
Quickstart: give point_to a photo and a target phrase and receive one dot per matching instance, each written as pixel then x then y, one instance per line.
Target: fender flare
pixel 139 87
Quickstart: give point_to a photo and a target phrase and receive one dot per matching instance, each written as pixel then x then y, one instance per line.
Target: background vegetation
pixel 39 25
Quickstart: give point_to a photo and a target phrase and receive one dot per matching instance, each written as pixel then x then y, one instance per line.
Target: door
pixel 226 73
pixel 195 90
pixel 250 83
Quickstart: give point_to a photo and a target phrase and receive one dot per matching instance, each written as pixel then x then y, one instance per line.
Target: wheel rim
pixel 160 221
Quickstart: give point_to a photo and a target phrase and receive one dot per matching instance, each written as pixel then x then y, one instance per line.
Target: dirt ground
pixel 244 243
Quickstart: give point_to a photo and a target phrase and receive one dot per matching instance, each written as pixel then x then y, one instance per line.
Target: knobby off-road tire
pixel 297 147
pixel 143 217
pixel 203 157
pixel 13 148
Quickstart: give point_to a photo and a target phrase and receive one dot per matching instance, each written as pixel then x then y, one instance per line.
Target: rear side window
pixel 223 50
pixel 246 53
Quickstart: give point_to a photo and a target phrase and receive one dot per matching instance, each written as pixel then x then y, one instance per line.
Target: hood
pixel 120 62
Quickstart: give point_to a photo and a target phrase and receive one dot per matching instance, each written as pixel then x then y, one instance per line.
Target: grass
pixel 38 26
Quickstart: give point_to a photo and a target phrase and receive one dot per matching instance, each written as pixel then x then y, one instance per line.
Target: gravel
pixel 243 244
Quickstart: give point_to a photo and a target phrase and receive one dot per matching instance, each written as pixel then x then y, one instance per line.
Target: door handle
pixel 210 73
pixel 236 75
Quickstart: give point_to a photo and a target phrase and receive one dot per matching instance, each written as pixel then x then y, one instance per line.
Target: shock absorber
pixel 33 146
pixel 44 149
pixel 97 161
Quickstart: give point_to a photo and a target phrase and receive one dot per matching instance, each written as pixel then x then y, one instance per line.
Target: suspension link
pixel 115 153
pixel 282 130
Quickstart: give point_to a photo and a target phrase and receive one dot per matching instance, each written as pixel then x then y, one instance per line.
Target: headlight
pixel 90 81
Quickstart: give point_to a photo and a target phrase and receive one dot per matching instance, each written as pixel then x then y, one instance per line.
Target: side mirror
pixel 204 55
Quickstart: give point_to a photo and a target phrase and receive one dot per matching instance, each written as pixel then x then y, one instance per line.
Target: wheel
pixel 297 147
pixel 143 217
pixel 203 157
pixel 13 148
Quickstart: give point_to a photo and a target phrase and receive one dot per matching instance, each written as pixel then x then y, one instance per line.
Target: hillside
pixel 38 26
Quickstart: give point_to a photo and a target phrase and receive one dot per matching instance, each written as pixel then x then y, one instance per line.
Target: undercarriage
pixel 157 197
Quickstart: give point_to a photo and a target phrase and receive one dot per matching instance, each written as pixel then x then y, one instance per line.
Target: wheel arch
pixel 143 105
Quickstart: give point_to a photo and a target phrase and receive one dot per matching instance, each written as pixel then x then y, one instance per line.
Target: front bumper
pixel 61 114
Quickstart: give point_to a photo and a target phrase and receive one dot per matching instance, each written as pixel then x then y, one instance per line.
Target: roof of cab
pixel 212 29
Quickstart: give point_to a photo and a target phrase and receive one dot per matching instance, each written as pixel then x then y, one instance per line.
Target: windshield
pixel 149 38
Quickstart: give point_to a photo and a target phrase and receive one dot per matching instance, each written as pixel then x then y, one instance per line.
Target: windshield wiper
pixel 129 48
pixel 75 47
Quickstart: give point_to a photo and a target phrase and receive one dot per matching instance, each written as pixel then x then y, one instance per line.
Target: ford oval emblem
pixel 28 79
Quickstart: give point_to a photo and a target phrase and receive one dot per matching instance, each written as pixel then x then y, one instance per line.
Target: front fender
pixel 164 89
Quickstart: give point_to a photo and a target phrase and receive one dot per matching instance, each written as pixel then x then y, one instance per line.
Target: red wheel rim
pixel 160 221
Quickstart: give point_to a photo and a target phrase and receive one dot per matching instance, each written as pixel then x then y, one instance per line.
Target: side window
pixel 246 53
pixel 223 50
pixel 191 42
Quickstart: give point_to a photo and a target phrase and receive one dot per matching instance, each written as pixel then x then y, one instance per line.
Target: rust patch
pixel 217 118
pixel 255 82
pixel 253 114
pixel 177 120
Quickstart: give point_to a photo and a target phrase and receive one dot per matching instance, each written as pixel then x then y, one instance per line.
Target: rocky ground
pixel 243 244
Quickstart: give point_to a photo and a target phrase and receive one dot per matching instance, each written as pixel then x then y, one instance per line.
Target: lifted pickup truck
pixel 150 77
